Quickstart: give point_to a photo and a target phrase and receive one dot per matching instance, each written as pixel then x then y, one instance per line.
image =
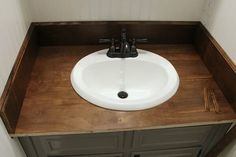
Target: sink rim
pixel 124 104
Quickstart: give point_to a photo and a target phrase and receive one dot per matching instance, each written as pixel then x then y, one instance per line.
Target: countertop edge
pixel 16 135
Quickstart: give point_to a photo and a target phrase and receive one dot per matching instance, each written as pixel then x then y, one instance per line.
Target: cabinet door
pixel 79 144
pixel 173 137
pixel 185 152
pixel 100 155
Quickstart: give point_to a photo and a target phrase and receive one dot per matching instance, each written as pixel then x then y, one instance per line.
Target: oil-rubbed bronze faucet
pixel 124 50
pixel 124 45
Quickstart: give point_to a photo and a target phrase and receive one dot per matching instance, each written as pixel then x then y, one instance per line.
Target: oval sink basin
pixel 125 84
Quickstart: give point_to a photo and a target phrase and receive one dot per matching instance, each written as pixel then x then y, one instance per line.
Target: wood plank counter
pixel 51 106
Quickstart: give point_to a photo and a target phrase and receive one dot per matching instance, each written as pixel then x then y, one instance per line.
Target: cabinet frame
pixel 127 146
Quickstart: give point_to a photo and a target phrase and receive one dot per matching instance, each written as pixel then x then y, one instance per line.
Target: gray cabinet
pixel 185 152
pixel 79 144
pixel 193 141
pixel 170 138
pixel 98 155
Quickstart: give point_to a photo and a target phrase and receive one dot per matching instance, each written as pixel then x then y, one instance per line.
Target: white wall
pixel 15 20
pixel 219 16
pixel 106 10
pixel 9 147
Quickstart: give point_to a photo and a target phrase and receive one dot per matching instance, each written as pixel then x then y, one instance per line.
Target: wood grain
pixel 206 99
pixel 51 106
pixel 218 62
pixel 15 89
pixel 77 33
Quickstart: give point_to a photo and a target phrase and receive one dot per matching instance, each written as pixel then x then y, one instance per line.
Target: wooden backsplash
pixel 14 92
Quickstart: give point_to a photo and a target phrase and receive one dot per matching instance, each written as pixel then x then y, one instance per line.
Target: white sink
pixel 149 80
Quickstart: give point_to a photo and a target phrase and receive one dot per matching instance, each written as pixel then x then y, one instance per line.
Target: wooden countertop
pixel 51 106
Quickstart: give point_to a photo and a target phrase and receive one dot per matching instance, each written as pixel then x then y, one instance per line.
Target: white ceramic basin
pixel 149 80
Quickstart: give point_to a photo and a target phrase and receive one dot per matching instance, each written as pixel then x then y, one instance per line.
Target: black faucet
pixel 124 50
pixel 125 46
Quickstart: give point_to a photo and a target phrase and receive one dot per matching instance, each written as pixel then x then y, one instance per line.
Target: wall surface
pixel 219 18
pixel 9 147
pixel 106 10
pixel 15 20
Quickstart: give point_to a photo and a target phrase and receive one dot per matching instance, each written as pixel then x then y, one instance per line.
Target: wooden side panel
pixel 22 75
pixel 75 33
pixel 218 63
pixel 15 89
pixel 10 111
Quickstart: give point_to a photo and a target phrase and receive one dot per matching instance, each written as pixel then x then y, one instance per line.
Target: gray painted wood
pixel 100 155
pixel 79 144
pixel 172 138
pixel 214 138
pixel 185 152
pixel 128 143
pixel 28 146
pixel 145 143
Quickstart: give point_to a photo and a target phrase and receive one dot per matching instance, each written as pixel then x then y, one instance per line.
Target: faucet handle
pixel 133 48
pixel 142 40
pixel 112 43
pixel 104 40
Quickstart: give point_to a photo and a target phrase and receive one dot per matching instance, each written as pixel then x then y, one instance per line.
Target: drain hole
pixel 122 94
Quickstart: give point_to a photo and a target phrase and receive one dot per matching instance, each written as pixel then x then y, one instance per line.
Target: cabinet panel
pixel 102 155
pixel 172 138
pixel 172 142
pixel 79 144
pixel 185 152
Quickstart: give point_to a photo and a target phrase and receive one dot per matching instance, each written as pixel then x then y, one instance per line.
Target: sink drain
pixel 122 94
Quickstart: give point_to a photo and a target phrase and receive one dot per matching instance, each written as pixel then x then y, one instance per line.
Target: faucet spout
pixel 124 45
pixel 123 35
